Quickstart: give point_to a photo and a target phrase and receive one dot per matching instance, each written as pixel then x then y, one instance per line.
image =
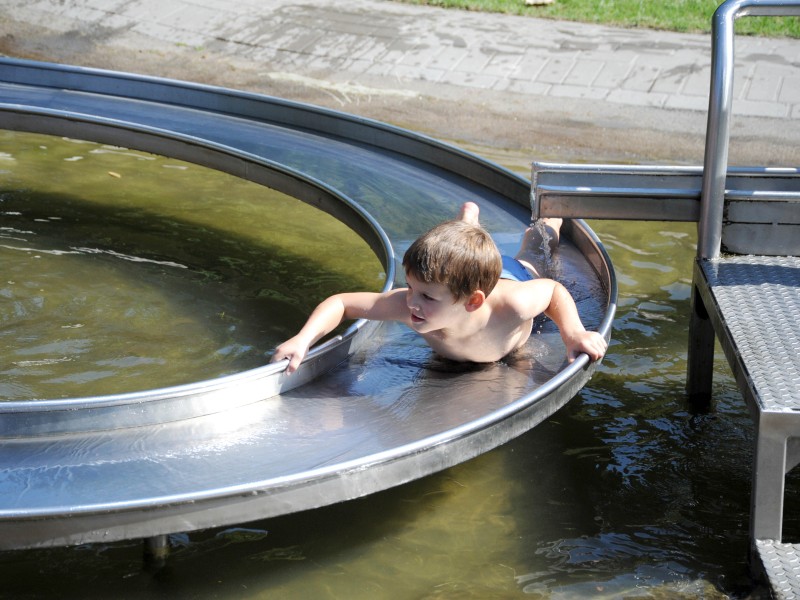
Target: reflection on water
pixel 626 492
pixel 127 271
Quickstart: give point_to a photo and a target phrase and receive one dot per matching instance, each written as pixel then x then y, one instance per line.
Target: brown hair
pixel 457 254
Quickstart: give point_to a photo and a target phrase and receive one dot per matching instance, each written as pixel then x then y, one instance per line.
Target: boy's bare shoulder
pixel 510 288
pixel 528 298
pixel 376 306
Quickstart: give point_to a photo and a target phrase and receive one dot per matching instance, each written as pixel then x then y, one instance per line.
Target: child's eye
pixel 428 297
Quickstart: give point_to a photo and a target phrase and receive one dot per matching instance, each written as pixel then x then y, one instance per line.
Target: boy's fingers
pixel 294 363
pixel 599 348
pixel 594 347
pixel 279 358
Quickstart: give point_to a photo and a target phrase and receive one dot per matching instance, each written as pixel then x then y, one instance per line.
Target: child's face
pixel 432 305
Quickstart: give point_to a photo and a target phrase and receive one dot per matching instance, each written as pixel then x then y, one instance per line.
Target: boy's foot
pixel 539 242
pixel 469 213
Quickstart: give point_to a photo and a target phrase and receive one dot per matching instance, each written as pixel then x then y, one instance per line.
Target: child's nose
pixel 411 301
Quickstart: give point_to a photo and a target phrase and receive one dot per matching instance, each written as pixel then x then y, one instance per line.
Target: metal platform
pixel 367 411
pixel 754 303
pixel 781 567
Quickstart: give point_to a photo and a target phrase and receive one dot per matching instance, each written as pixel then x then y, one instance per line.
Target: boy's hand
pixel 588 342
pixel 295 350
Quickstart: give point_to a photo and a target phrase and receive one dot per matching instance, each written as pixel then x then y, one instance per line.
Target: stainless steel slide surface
pixel 372 409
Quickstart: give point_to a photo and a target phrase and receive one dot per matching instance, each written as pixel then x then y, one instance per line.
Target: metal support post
pixel 699 370
pixel 769 477
pixel 156 551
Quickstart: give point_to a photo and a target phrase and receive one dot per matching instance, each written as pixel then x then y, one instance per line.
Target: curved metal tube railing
pixel 720 102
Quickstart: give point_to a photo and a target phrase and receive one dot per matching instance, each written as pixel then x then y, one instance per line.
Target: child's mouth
pixel 416 319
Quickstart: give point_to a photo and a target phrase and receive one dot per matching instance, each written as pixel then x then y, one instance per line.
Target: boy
pixel 463 298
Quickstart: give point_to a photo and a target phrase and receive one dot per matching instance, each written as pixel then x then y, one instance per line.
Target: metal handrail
pixel 709 235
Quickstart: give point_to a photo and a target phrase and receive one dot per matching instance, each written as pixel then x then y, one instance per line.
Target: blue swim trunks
pixel 513 269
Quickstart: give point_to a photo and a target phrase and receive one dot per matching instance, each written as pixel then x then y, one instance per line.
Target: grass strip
pixel 686 16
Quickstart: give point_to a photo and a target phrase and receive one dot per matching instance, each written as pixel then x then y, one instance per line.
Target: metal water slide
pixel 370 409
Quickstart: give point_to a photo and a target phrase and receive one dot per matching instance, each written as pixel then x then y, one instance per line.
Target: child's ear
pixel 475 301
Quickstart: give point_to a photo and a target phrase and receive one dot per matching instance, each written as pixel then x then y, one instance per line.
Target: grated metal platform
pixel 781 564
pixel 758 300
pixel 754 303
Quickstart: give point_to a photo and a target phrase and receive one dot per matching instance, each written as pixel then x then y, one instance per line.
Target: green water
pixel 627 492
pixel 125 271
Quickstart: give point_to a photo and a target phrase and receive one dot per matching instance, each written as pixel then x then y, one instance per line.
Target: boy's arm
pixel 564 313
pixel 332 311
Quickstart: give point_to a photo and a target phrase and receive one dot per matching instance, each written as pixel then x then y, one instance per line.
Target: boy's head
pixel 457 254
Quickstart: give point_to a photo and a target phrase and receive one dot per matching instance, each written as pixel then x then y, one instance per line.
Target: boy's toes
pixel 469 213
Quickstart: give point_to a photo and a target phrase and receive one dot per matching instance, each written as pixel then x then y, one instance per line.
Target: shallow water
pixel 628 491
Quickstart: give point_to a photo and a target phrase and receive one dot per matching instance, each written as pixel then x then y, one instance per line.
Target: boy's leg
pixel 539 242
pixel 546 230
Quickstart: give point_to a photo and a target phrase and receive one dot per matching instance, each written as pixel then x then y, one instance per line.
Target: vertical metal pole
pixel 715 162
pixel 712 196
pixel 700 365
pixel 156 551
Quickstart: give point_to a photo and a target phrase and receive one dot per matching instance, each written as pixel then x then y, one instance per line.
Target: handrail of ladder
pixel 715 160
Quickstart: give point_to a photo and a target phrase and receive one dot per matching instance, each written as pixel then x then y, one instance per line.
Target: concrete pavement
pixel 370 51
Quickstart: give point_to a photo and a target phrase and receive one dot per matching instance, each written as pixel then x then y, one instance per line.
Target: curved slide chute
pixel 367 410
